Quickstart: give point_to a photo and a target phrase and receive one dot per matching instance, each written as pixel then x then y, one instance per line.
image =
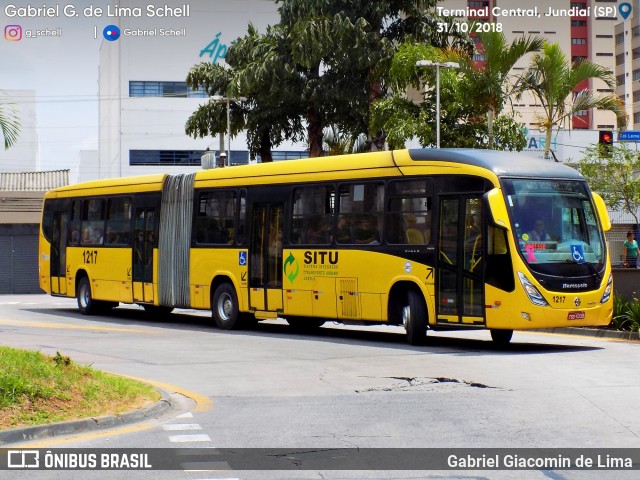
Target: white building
pixel 144 102
pixel 23 155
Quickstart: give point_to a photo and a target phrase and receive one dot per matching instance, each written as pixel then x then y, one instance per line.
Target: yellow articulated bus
pixel 425 239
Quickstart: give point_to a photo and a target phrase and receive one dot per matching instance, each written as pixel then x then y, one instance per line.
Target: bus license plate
pixel 576 316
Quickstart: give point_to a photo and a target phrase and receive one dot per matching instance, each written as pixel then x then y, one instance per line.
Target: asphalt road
pixel 341 388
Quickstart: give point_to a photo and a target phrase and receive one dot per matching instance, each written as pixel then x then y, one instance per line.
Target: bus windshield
pixel 555 225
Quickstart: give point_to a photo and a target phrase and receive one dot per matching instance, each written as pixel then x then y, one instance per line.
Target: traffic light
pixel 605 138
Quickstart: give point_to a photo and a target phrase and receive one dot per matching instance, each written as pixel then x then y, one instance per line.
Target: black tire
pixel 157 311
pixel 305 324
pixel 86 304
pixel 224 307
pixel 501 337
pixel 414 318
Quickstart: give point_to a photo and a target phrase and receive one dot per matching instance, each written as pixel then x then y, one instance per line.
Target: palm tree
pixel 552 79
pixel 9 124
pixel 492 77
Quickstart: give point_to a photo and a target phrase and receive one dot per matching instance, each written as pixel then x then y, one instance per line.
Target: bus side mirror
pixel 605 221
pixel 497 208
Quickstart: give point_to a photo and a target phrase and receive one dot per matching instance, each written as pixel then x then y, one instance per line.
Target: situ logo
pixel 291 267
pixel 215 49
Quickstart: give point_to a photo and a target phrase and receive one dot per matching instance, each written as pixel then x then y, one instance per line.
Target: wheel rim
pixel 406 315
pixel 225 306
pixel 84 296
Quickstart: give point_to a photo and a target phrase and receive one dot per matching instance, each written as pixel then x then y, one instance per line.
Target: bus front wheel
pixel 414 318
pixel 86 304
pixel 501 337
pixel 224 307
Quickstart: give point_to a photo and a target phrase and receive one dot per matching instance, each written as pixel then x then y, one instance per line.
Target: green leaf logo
pixel 291 267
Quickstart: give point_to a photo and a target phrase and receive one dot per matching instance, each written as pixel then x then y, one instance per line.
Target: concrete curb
pixel 592 332
pixel 38 432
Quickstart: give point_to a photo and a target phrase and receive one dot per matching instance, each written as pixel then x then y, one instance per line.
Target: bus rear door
pixel 265 257
pixel 59 253
pixel 143 245
pixel 459 286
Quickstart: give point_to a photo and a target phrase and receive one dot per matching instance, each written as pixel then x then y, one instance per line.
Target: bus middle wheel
pixel 224 307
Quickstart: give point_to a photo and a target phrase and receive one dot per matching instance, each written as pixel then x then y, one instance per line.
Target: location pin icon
pixel 625 10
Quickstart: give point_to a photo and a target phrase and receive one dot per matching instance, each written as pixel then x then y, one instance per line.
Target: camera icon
pixel 13 33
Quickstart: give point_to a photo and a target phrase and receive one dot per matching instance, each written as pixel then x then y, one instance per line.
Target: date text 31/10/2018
pixel 475 27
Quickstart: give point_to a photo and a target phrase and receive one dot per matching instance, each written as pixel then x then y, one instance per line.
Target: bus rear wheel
pixel 501 337
pixel 414 318
pixel 86 304
pixel 224 307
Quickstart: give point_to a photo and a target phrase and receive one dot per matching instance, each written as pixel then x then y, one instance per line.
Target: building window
pixel 620 79
pixel 578 58
pixel 478 3
pixel 636 117
pixel 581 113
pixel 636 96
pixel 636 74
pixel 620 59
pixel 635 32
pixel 578 23
pixel 610 36
pixel 578 41
pixel 164 89
pixel 619 38
pixel 477 57
pixel 578 5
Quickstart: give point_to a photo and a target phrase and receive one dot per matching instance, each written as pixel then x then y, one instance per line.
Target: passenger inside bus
pixel 366 232
pixel 414 234
pixel 343 230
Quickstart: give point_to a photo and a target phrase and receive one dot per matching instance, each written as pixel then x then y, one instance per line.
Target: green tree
pixel 462 117
pixel 491 79
pixel 9 124
pixel 261 70
pixel 324 64
pixel 552 79
pixel 614 174
pixel 355 41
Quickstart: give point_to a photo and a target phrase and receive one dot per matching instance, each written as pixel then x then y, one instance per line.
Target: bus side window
pixel 499 266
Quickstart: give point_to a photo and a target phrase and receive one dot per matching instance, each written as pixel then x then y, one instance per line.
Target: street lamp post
pixel 437 65
pixel 228 100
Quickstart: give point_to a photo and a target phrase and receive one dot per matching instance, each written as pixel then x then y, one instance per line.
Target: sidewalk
pixel 592 332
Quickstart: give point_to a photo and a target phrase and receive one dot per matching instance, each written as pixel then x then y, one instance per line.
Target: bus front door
pixel 459 286
pixel 59 254
pixel 265 257
pixel 143 245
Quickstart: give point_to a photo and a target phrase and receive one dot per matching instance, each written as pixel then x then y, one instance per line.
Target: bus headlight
pixel 607 291
pixel 532 292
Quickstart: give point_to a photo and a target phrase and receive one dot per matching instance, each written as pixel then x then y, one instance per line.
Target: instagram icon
pixel 13 33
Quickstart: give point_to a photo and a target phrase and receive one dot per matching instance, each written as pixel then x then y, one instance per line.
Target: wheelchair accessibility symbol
pixel 242 259
pixel 577 253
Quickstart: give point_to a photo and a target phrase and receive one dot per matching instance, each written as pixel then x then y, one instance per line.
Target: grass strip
pixel 37 388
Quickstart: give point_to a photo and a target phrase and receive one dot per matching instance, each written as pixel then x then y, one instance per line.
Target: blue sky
pixel 63 71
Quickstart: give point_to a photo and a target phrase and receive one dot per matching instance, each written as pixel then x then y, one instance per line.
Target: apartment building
pixel 627 63
pixel 580 28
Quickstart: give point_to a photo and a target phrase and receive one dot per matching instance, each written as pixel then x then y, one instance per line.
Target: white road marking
pixel 182 426
pixel 189 438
